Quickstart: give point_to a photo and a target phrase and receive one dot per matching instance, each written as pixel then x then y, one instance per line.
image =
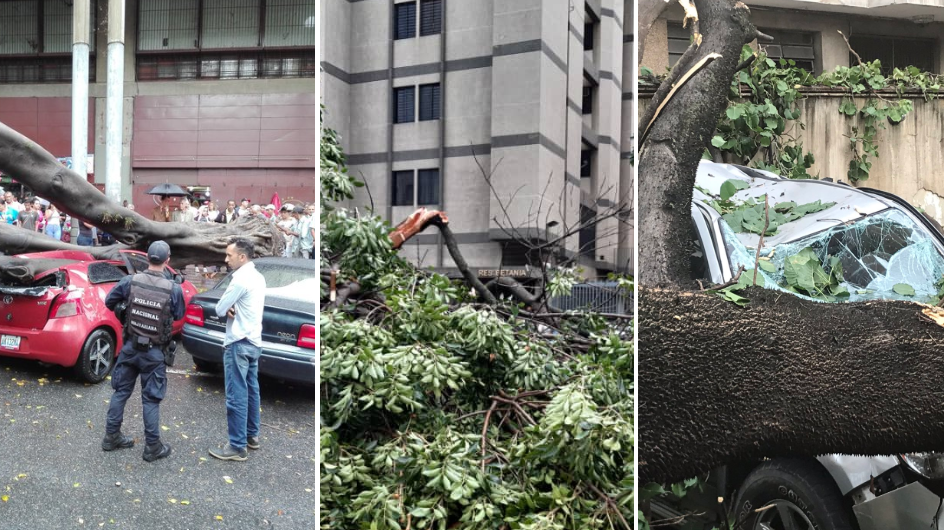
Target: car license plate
pixel 10 342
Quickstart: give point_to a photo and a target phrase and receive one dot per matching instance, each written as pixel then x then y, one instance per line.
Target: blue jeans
pixel 54 231
pixel 150 366
pixel 85 241
pixel 241 372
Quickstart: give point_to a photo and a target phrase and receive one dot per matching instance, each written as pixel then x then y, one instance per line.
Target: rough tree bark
pixel 719 383
pixel 674 143
pixel 34 167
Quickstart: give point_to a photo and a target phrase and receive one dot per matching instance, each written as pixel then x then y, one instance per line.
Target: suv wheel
pixel 96 358
pixel 791 494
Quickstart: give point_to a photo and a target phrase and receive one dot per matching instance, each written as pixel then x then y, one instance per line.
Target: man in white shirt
pixel 242 303
pixel 12 202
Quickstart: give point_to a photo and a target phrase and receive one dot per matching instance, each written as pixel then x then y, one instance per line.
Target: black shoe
pixel 156 452
pixel 252 442
pixel 228 452
pixel 116 441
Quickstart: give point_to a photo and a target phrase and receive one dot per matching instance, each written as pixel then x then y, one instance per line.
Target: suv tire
pixel 798 488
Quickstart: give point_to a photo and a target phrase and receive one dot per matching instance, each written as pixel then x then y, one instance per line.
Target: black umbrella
pixel 171 190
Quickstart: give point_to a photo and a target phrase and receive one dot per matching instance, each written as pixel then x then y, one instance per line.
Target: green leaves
pixel 750 216
pixel 731 186
pixel 804 274
pixel 904 289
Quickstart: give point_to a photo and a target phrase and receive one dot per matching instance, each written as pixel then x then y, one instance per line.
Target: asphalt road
pixel 54 474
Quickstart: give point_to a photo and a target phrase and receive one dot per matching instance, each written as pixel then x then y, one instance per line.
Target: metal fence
pixel 601 297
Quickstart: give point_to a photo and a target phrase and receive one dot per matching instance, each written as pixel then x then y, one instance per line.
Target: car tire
pixel 797 488
pixel 206 366
pixel 97 357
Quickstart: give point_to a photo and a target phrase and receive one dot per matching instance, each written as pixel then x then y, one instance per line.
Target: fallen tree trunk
pixel 784 376
pixel 190 243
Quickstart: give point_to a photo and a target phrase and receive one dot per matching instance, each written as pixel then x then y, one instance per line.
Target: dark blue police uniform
pixel 134 362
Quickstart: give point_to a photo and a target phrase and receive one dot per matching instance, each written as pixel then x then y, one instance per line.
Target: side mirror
pixel 178 279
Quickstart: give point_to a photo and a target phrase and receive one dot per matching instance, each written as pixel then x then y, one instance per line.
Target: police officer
pixel 153 303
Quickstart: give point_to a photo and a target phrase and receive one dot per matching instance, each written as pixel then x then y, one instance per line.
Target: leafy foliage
pixel 761 125
pixel 441 413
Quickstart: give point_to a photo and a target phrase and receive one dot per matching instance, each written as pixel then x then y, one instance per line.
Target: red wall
pixel 225 131
pixel 47 121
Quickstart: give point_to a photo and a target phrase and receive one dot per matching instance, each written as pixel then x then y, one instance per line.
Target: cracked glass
pixel 876 252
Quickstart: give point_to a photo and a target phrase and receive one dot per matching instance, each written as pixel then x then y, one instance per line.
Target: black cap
pixel 158 252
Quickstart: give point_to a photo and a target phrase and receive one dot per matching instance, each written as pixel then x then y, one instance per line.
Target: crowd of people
pixel 295 221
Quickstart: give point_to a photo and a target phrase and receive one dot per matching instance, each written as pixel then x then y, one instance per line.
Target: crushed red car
pixel 52 308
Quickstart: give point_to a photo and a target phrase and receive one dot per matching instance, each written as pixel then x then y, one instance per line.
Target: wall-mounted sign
pixel 499 273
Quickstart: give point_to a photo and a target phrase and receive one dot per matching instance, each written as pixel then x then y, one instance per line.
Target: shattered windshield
pixel 882 256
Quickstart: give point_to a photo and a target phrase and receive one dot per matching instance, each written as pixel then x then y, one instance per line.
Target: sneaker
pixel 252 442
pixel 228 452
pixel 116 440
pixel 156 452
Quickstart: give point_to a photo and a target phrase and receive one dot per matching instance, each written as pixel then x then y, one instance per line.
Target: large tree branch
pixel 783 377
pixel 36 168
pixel 674 143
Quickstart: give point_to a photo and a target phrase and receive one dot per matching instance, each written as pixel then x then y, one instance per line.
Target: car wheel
pixel 206 366
pixel 789 494
pixel 97 357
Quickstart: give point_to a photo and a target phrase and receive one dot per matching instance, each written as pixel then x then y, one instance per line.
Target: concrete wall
pixel 911 154
pixel 830 48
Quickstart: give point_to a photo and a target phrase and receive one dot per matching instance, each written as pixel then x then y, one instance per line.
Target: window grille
pixel 403 188
pixel 404 105
pixel 427 187
pixel 404 20
pixel 429 102
pixel 430 17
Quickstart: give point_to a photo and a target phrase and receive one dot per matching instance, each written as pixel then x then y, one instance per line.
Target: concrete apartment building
pixel 217 93
pixel 536 92
pixel 898 32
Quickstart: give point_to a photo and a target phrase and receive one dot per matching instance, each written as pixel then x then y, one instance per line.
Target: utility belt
pixel 144 344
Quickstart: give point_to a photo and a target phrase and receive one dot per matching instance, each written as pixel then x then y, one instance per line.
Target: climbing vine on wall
pixel 762 124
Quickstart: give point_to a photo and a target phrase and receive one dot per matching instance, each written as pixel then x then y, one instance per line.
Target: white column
pixel 80 77
pixel 114 102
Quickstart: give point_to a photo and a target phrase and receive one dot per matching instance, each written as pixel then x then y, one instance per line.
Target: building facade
pixel 506 114
pixel 219 95
pixel 899 33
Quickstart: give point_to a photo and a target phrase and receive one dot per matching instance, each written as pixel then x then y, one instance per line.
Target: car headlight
pixel 928 465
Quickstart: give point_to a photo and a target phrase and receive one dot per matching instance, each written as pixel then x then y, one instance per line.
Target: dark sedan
pixel 288 322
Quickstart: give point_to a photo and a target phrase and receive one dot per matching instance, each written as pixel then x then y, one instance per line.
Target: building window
pixel 404 104
pixel 894 52
pixel 429 102
pixel 427 187
pixel 587 104
pixel 425 182
pixel 404 20
pixel 225 39
pixel 430 17
pixel 790 45
pixel 586 163
pixel 590 25
pixel 679 39
pixel 36 41
pixel 403 188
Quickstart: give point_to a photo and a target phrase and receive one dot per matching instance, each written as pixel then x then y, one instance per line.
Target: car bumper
pixel 911 506
pixel 59 342
pixel 280 361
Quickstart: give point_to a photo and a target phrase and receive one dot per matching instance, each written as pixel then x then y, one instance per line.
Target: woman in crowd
pixel 53 222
